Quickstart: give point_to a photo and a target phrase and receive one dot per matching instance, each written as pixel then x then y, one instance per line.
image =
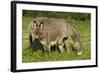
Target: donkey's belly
pixel 50 43
pixel 53 43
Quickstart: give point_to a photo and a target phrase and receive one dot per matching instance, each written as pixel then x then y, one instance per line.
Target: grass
pixel 38 56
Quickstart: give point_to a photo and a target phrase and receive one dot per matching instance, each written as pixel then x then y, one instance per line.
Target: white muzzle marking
pixel 36 37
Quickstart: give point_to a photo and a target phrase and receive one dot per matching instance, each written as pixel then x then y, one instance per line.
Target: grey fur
pixel 52 30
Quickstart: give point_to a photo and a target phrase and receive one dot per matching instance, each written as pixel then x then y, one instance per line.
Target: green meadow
pixel 81 21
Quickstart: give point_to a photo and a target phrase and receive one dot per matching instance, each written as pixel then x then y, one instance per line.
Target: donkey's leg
pixel 46 46
pixel 61 44
pixel 64 45
pixel 60 41
pixel 61 48
pixel 47 49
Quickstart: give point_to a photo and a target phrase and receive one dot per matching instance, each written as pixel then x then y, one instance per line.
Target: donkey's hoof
pixel 79 53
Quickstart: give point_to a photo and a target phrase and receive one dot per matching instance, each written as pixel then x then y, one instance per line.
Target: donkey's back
pixel 52 24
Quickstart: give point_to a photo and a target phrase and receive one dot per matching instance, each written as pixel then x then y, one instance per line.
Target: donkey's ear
pixel 41 25
pixel 34 24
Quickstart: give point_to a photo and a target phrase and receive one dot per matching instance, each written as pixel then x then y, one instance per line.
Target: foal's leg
pixel 64 45
pixel 60 39
pixel 46 47
pixel 61 46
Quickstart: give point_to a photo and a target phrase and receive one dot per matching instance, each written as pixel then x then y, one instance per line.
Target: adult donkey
pixel 52 31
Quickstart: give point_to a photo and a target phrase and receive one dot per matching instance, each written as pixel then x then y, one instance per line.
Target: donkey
pixel 51 31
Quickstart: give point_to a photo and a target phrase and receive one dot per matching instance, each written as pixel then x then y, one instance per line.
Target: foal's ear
pixel 34 24
pixel 41 25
